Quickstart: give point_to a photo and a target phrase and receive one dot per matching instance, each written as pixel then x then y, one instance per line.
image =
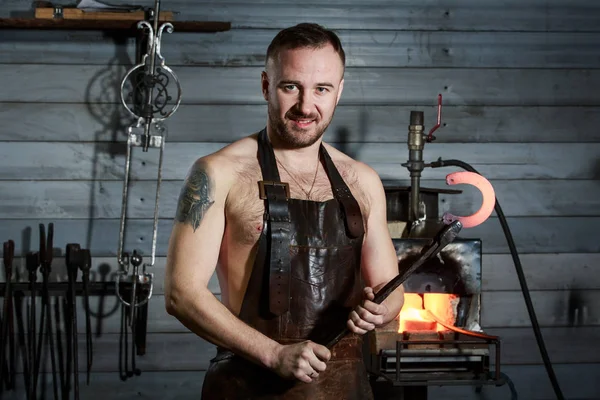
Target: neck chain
pixel 297 183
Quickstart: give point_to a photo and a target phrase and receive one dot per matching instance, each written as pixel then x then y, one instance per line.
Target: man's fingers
pixel 302 376
pixel 360 322
pixel 353 328
pixel 369 293
pixel 316 365
pixel 322 352
pixel 368 316
pixel 312 357
pixel 372 312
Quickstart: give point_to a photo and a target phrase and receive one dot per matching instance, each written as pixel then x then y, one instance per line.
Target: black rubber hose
pixel 519 268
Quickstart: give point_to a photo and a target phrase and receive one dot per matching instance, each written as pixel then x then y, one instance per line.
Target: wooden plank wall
pixel 520 86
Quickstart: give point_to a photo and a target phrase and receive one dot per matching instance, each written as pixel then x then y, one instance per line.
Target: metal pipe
pixel 415 165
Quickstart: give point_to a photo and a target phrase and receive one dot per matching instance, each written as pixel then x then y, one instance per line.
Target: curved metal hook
pixel 149 278
pixel 487 191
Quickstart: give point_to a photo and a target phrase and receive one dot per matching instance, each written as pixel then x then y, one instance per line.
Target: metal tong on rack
pixel 7 325
pixel 45 257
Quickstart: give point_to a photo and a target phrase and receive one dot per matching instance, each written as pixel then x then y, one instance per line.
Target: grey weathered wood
pixel 527 198
pixel 551 271
pixel 519 345
pixel 553 308
pixel 230 85
pixel 351 124
pixel 243 47
pixel 104 161
pixel 577 381
pixel 187 351
pixel 543 272
pixel 164 352
pixel 531 234
pixel 164 385
pixel 555 304
pixel 104 269
pixel 102 199
pixel 468 15
pixel 499 310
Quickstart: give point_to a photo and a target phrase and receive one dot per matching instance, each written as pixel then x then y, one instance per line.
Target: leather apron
pixel 305 280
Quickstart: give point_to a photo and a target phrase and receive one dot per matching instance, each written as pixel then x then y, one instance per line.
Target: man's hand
pixel 303 361
pixel 366 317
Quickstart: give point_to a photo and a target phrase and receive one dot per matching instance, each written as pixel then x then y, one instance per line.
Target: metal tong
pixel 45 255
pixel 129 318
pixel 445 236
pixel 73 260
pixel 85 264
pixel 7 321
pixel 32 262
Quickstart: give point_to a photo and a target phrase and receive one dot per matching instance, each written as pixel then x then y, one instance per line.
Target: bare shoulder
pixel 210 179
pixel 223 166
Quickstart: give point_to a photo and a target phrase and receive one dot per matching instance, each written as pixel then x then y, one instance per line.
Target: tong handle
pixel 8 256
pixel 46 244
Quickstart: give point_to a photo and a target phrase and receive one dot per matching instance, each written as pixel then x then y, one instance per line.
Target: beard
pixel 293 137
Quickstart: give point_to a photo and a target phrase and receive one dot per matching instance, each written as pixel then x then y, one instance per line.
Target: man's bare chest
pixel 245 209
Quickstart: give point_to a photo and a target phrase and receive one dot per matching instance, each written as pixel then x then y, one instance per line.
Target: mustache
pixel 294 115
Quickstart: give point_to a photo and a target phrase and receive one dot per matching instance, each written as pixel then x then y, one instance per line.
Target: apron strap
pixel 350 207
pixel 275 194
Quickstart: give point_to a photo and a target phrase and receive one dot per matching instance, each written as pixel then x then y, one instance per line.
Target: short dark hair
pixel 305 35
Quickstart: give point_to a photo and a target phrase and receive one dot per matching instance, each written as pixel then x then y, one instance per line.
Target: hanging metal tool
pixel 85 266
pixel 46 246
pixel 73 260
pixel 32 262
pixel 7 314
pixel 62 373
pixel 150 100
pixel 129 319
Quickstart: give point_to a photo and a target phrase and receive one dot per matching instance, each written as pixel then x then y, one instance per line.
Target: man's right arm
pixel 191 261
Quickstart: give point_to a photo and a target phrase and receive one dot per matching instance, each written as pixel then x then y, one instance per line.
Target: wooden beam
pixel 126 26
pixel 531 234
pixel 229 85
pixel 577 381
pixel 363 48
pixel 463 15
pixel 106 161
pixel 351 124
pixel 103 199
pixel 187 351
pixel 550 272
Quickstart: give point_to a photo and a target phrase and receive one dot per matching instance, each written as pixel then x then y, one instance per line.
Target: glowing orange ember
pixel 414 318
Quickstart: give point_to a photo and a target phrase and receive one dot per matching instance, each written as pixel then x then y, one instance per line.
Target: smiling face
pixel 302 87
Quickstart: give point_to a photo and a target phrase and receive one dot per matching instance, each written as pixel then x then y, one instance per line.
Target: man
pixel 297 233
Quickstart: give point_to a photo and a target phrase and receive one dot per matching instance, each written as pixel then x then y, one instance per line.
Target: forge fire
pixel 416 312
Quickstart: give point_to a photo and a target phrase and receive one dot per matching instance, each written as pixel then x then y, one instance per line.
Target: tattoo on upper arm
pixel 195 197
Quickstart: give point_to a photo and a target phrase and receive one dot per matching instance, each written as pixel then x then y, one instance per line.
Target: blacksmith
pixel 296 231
